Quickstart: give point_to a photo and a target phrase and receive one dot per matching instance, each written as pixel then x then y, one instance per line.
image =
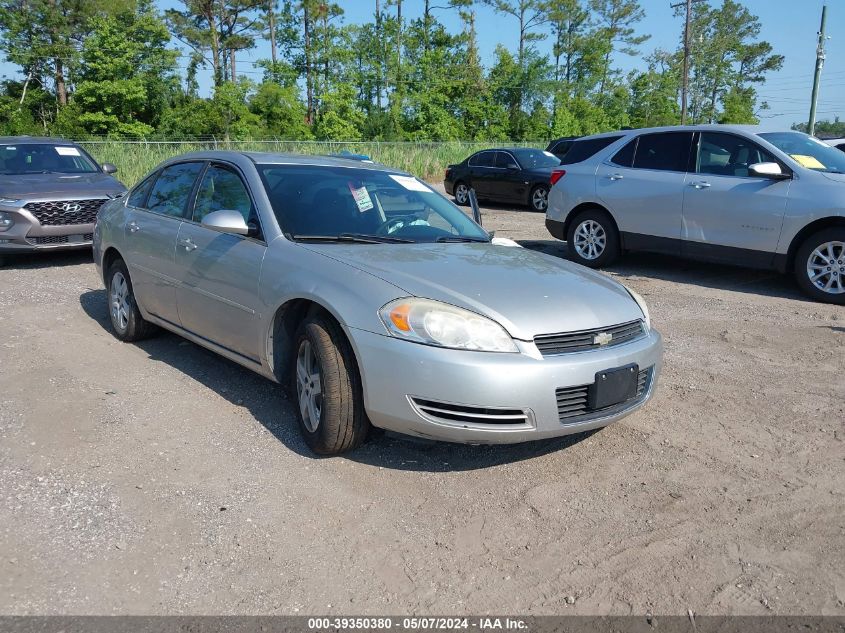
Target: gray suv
pixel 731 194
pixel 50 193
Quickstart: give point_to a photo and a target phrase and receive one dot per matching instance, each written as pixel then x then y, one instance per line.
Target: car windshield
pixel 319 203
pixel 44 158
pixel 535 158
pixel 808 151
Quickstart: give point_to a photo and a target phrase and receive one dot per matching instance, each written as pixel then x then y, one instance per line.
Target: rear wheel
pixel 593 239
pixel 126 320
pixel 540 198
pixel 461 194
pixel 820 265
pixel 327 387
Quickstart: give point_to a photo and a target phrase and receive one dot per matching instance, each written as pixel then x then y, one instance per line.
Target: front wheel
pixel 540 198
pixel 593 239
pixel 329 397
pixel 820 265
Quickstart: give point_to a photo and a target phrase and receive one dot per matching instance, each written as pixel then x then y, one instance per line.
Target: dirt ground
pixel 159 478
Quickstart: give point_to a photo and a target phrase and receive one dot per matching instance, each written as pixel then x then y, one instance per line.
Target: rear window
pixel 666 151
pixel 587 148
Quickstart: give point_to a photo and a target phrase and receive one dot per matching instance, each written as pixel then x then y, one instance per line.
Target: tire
pixel 127 323
pixel 814 258
pixel 595 224
pixel 538 200
pixel 462 193
pixel 332 421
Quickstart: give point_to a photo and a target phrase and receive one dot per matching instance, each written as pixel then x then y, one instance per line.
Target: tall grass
pixel 426 160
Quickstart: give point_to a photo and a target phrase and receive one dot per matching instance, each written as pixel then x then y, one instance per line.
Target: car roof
pixel 33 140
pixel 710 127
pixel 271 158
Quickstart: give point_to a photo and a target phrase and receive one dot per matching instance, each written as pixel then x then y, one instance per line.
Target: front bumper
pixel 27 234
pixel 397 375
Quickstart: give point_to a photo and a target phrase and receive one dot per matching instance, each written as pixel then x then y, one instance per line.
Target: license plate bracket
pixel 613 386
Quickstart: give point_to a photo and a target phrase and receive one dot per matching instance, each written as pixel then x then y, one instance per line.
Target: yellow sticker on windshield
pixel 810 162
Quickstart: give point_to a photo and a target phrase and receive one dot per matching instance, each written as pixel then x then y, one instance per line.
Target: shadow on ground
pixel 267 402
pixel 768 283
pixel 47 259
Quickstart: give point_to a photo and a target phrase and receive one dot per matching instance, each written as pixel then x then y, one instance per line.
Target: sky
pixel 791 26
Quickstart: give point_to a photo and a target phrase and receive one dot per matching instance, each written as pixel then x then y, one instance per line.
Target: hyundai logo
pixel 602 338
pixel 72 207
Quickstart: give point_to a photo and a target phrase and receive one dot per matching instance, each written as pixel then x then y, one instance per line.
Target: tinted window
pixel 222 188
pixel 139 194
pixel 561 147
pixel 325 202
pixel 173 188
pixel 668 151
pixel 728 155
pixel 534 158
pixel 503 159
pixel 483 159
pixel 44 158
pixel 587 148
pixel 625 156
pixel 841 146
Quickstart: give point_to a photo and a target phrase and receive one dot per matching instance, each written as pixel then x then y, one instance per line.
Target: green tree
pixel 616 20
pixel 281 111
pixel 340 119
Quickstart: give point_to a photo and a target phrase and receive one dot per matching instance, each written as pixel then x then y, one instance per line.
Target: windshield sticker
pixel 410 183
pixel 361 196
pixel 67 151
pixel 810 162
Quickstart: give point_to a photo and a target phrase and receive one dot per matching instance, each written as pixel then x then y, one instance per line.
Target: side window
pixel 587 148
pixel 222 188
pixel 561 148
pixel 728 155
pixel 625 156
pixel 504 159
pixel 483 159
pixel 138 197
pixel 172 189
pixel 666 151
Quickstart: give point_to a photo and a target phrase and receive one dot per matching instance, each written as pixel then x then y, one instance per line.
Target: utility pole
pixel 820 57
pixel 687 47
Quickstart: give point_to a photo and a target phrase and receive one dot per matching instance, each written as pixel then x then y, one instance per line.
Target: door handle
pixel 701 184
pixel 133 227
pixel 616 177
pixel 188 244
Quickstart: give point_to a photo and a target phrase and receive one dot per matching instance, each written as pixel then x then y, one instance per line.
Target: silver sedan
pixel 375 299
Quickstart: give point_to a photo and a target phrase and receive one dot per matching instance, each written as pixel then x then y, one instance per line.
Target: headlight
pixel 11 202
pixel 641 302
pixel 434 323
pixel 6 221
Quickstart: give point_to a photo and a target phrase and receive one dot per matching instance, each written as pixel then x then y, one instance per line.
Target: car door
pixel 151 230
pixel 482 173
pixel 726 206
pixel 218 297
pixel 643 186
pixel 509 183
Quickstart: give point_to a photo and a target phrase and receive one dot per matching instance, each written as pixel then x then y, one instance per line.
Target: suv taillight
pixel 557 174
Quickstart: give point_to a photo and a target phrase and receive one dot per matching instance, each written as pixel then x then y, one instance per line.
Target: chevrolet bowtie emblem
pixel 602 338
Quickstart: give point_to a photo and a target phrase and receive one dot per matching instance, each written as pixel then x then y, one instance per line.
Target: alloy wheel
pixel 826 267
pixel 119 300
pixel 462 193
pixel 309 386
pixel 590 239
pixel 540 199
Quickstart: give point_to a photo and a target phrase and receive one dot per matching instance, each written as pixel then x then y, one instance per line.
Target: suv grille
pixel 64 212
pixel 462 414
pixel 565 343
pixel 572 401
pixel 61 239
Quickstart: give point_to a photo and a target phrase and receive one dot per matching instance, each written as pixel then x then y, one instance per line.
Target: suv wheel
pixel 593 239
pixel 327 387
pixel 820 265
pixel 126 320
pixel 461 194
pixel 540 198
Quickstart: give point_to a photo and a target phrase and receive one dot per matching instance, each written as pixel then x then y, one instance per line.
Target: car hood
pixel 64 185
pixel 528 293
pixel 836 177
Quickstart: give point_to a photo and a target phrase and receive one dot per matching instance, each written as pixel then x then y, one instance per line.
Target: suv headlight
pixel 6 221
pixel 641 302
pixel 434 323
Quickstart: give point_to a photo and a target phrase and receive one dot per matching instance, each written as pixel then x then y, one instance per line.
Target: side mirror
pixel 109 168
pixel 226 221
pixel 767 170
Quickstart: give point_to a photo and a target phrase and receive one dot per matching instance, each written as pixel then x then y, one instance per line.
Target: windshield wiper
pixel 460 238
pixel 360 238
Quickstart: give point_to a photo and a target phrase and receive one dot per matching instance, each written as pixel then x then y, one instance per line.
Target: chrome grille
pixel 64 212
pixel 61 239
pixel 568 342
pixel 462 414
pixel 572 401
